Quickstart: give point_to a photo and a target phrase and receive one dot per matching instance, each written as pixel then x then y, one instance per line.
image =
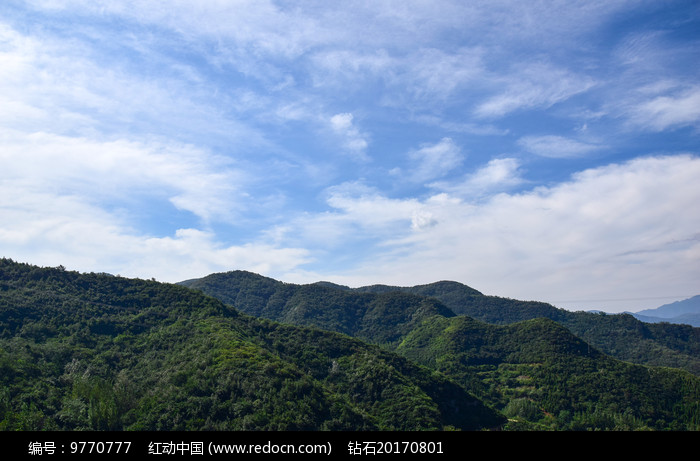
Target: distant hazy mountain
pixel 686 311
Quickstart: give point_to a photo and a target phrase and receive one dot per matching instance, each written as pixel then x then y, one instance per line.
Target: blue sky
pixel 536 150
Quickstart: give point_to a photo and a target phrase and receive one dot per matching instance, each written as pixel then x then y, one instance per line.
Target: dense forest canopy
pixel 238 351
pixel 543 367
pixel 93 351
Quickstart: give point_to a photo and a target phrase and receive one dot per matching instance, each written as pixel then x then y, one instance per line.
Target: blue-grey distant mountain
pixel 684 312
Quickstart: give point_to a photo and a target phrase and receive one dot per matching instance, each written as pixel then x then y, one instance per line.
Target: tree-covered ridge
pixel 380 318
pixel 93 351
pixel 541 375
pixel 534 369
pixel 619 335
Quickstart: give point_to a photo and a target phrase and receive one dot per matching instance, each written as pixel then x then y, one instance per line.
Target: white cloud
pixel 461 127
pixel 353 141
pixel 193 253
pixel 122 171
pixel 53 84
pixel 533 85
pixel 368 208
pixel 342 123
pixel 668 111
pixel 45 228
pixel 433 161
pixel 498 175
pixel 348 66
pixel 358 214
pixel 553 146
pixel 434 73
pixel 625 228
pixel 655 87
pixel 640 50
pixel 419 79
pixel 422 219
pixel 258 25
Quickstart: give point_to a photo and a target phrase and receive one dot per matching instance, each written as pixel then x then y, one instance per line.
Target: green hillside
pixel 543 377
pixel 97 352
pixel 531 367
pixel 619 335
pixel 379 318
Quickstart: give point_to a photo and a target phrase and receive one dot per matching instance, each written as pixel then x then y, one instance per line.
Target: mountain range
pixel 686 311
pixel 543 367
pixel 619 335
pixel 239 351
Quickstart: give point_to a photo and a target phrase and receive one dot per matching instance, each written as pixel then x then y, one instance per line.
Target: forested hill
pixel 536 371
pixel 543 377
pixel 94 351
pixel 379 318
pixel 619 335
pixel 98 352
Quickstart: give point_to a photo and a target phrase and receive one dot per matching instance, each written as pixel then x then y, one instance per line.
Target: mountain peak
pixel 686 306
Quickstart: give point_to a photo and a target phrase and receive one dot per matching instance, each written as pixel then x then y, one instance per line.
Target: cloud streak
pixel 553 146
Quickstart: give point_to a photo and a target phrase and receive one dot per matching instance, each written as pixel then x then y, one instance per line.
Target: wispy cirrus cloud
pixel 536 85
pixel 554 146
pixel 432 161
pixel 671 110
pixel 644 94
pixel 498 175
pixel 64 86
